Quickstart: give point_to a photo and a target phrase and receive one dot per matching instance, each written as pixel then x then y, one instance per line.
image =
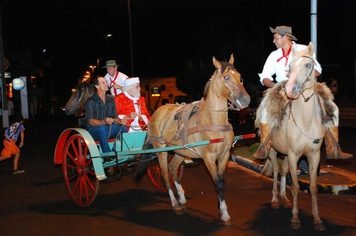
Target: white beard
pixel 135 93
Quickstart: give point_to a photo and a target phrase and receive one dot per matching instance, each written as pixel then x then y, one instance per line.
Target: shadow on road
pixel 281 223
pixel 133 206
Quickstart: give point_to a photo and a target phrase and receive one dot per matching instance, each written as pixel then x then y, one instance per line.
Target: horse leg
pixel 292 160
pixel 173 167
pixel 313 169
pixel 218 177
pixel 163 163
pixel 273 156
pixel 282 192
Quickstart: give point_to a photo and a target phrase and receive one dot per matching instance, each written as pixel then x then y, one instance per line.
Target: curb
pixel 345 182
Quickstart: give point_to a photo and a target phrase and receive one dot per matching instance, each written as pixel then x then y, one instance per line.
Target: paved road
pixel 36 202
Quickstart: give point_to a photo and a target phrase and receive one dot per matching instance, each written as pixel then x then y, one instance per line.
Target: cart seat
pixel 131 141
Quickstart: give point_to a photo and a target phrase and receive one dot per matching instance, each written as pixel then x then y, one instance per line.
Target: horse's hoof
pixel 295 225
pixel 183 205
pixel 286 204
pixel 275 205
pixel 178 211
pixel 319 226
pixel 226 222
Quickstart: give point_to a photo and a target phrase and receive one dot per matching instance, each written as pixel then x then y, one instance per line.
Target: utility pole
pixel 130 25
pixel 5 112
pixel 313 24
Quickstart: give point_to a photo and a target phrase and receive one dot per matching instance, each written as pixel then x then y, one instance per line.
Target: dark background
pixel 172 37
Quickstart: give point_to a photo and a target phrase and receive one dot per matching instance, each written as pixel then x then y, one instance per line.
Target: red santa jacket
pixel 125 104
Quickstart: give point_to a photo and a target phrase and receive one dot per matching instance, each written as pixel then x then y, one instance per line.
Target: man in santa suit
pixel 131 106
pixel 114 78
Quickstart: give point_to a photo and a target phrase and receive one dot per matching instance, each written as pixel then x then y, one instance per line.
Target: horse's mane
pixel 81 87
pixel 84 84
pixel 206 88
pixel 224 65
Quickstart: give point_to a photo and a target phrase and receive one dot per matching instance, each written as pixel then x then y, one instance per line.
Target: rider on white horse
pixel 277 64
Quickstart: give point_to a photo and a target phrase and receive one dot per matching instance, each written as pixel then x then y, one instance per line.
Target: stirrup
pixel 260 153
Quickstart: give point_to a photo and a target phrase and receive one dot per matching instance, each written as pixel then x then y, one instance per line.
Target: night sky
pixel 169 34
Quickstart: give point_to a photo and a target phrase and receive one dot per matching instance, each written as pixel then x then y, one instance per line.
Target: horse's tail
pixel 143 166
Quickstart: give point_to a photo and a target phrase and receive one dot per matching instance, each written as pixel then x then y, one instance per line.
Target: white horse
pixel 300 132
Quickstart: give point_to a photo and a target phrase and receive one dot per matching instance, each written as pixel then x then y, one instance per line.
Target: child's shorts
pixel 10 148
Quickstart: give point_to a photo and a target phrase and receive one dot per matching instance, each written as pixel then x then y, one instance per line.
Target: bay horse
pixel 75 105
pixel 204 120
pixel 300 132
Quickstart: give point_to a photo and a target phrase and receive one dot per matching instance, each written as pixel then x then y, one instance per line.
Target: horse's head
pixel 82 92
pixel 227 82
pixel 301 72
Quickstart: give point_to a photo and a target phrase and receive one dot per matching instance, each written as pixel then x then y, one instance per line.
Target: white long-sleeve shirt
pixel 119 79
pixel 277 66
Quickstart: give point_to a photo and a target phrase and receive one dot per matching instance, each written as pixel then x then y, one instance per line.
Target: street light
pixel 97 65
pixel 106 43
pixel 92 69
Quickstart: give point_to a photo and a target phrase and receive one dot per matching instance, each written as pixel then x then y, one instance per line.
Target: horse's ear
pixel 311 49
pixel 231 61
pixel 217 64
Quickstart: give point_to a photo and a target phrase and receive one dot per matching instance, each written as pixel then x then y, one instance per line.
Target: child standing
pixel 10 148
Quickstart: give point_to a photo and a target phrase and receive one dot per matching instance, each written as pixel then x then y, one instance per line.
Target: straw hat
pixel 110 63
pixel 285 30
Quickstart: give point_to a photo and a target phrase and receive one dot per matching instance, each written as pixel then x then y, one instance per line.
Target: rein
pixel 314 140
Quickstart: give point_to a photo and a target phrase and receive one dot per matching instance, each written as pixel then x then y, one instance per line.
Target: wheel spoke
pixel 74 149
pixel 70 166
pixel 71 178
pixel 80 178
pixel 89 183
pixel 72 158
pixel 155 176
pixel 85 189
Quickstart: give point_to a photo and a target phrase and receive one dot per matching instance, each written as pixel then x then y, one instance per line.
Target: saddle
pixel 183 113
pixel 276 102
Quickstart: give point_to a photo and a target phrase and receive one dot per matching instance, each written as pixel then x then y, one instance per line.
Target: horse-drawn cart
pixel 84 165
pixel 196 130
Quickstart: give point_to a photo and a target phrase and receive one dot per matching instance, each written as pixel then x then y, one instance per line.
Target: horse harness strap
pixel 200 128
pixel 183 114
pixel 214 128
pixel 173 113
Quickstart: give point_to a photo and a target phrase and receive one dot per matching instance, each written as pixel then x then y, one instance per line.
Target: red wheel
pixel 155 175
pixel 78 171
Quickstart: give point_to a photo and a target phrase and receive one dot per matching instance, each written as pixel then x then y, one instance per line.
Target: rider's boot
pixel 333 150
pixel 266 142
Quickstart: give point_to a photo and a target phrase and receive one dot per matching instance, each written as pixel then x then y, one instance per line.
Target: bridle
pixel 307 80
pixel 77 103
pixel 225 80
pixel 314 140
